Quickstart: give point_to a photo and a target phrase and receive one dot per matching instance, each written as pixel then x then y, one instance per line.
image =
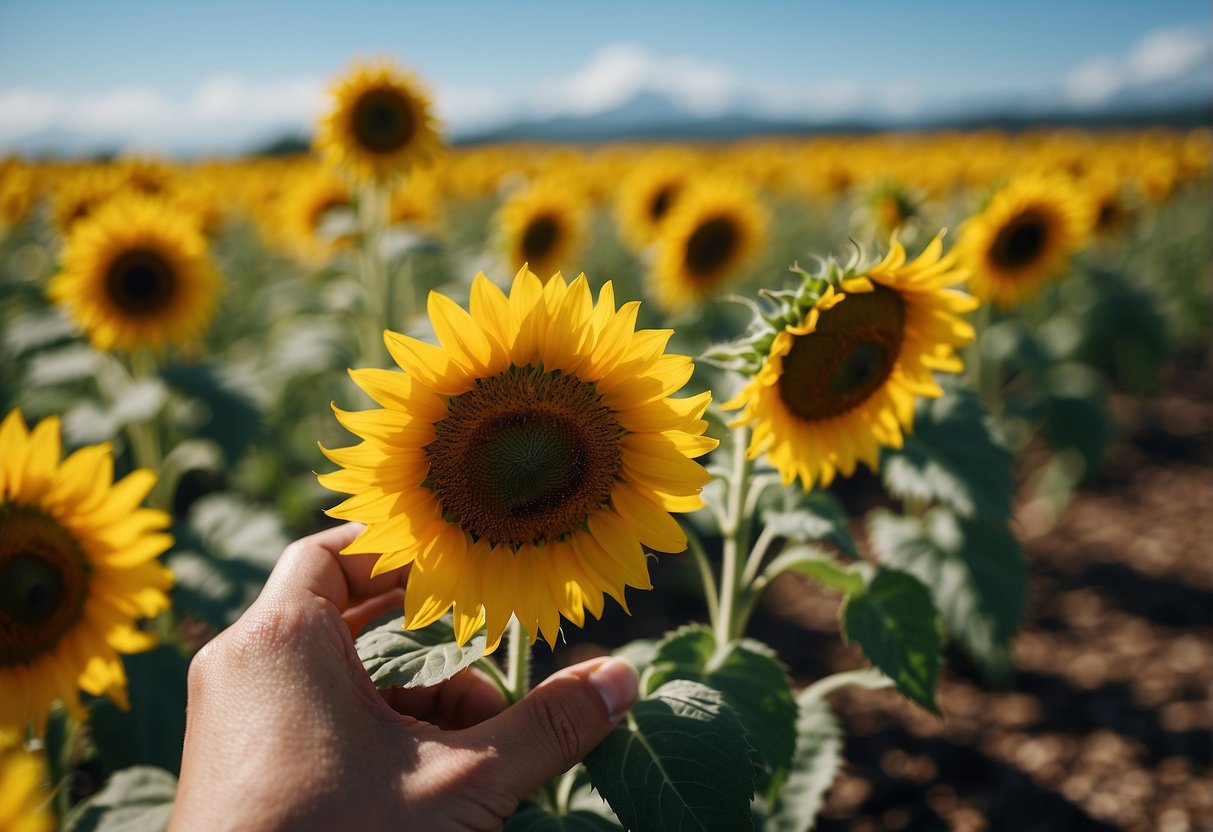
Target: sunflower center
pixel 140 282
pixel 540 238
pixel 660 203
pixel 850 355
pixel 1021 241
pixel 524 456
pixel 710 246
pixel 43 583
pixel 382 121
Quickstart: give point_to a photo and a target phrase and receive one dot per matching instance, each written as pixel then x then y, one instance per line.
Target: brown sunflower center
pixel 660 204
pixel 382 120
pixel 847 358
pixel 1111 215
pixel 540 238
pixel 43 583
pixel 1021 241
pixel 140 282
pixel 710 246
pixel 524 456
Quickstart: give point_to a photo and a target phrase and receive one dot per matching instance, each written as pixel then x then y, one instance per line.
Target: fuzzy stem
pixel 518 662
pixel 736 532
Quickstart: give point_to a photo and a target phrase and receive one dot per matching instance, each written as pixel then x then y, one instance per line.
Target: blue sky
pixel 223 70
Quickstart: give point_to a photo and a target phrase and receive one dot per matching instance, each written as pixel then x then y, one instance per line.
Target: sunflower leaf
pixel 896 624
pixel 814 767
pixel 679 761
pixel 149 732
pixel 976 573
pixel 819 566
pixel 750 677
pixel 399 658
pixel 952 458
pixel 537 819
pixel 226 409
pixel 814 516
pixel 137 799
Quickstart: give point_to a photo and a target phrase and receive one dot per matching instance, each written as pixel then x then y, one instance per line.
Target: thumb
pixel 557 724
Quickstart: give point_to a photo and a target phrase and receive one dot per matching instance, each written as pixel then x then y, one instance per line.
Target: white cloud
pixel 618 72
pixel 222 112
pixel 1159 57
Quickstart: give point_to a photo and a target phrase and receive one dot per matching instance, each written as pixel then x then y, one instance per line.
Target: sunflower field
pixel 803 424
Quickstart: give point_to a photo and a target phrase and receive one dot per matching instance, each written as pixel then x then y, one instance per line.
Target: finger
pixel 315 566
pixel 554 726
pixel 464 700
pixel 358 617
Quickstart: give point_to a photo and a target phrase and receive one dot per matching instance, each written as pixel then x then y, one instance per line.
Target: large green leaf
pixel 537 819
pixel 952 458
pixel 138 799
pixel 814 767
pixel 226 411
pixel 975 570
pixel 679 761
pixel 814 516
pixel 1076 413
pixel 896 624
pixel 151 732
pixel 753 682
pixel 399 658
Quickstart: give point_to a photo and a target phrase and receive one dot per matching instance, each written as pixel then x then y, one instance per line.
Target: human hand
pixel 285 729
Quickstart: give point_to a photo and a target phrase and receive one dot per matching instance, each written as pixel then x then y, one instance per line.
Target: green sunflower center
pixel 382 120
pixel 43 583
pixel 711 246
pixel 850 355
pixel 540 238
pixel 525 456
pixel 140 282
pixel 1021 241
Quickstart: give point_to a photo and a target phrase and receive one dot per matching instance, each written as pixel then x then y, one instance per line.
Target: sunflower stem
pixel 518 670
pixel 144 436
pixel 705 574
pixel 736 537
pixel 372 219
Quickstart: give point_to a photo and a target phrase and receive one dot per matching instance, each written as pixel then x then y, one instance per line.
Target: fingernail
pixel 616 682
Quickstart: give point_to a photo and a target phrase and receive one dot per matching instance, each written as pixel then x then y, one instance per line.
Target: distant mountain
pixel 651 117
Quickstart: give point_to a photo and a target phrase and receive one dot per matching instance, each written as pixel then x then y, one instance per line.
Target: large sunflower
pixel 1024 237
pixel 77 568
pixel 24 796
pixel 379 126
pixel 543 226
pixel 520 466
pixel 841 383
pixel 137 274
pixel 715 227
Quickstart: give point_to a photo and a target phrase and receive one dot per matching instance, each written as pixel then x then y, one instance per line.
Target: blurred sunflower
pixel 77 568
pixel 715 227
pixel 77 195
pixel 1024 237
pixel 380 124
pixel 306 214
pixel 520 466
pixel 648 192
pixel 24 796
pixel 543 226
pixel 137 274
pixel 841 382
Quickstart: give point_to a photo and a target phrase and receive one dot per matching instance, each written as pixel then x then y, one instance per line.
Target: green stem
pixel 372 219
pixel 736 532
pixel 495 675
pixel 564 791
pixel 754 563
pixel 705 574
pixel 518 662
pixel 144 437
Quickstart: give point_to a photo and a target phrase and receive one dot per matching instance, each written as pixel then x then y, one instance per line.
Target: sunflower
pixel 520 466
pixel 1024 237
pixel 137 274
pixel 308 213
pixel 543 225
pixel 715 227
pixel 648 192
pixel 24 796
pixel 77 568
pixel 840 382
pixel 379 126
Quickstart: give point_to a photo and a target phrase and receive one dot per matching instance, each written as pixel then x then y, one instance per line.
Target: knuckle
pixel 558 728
